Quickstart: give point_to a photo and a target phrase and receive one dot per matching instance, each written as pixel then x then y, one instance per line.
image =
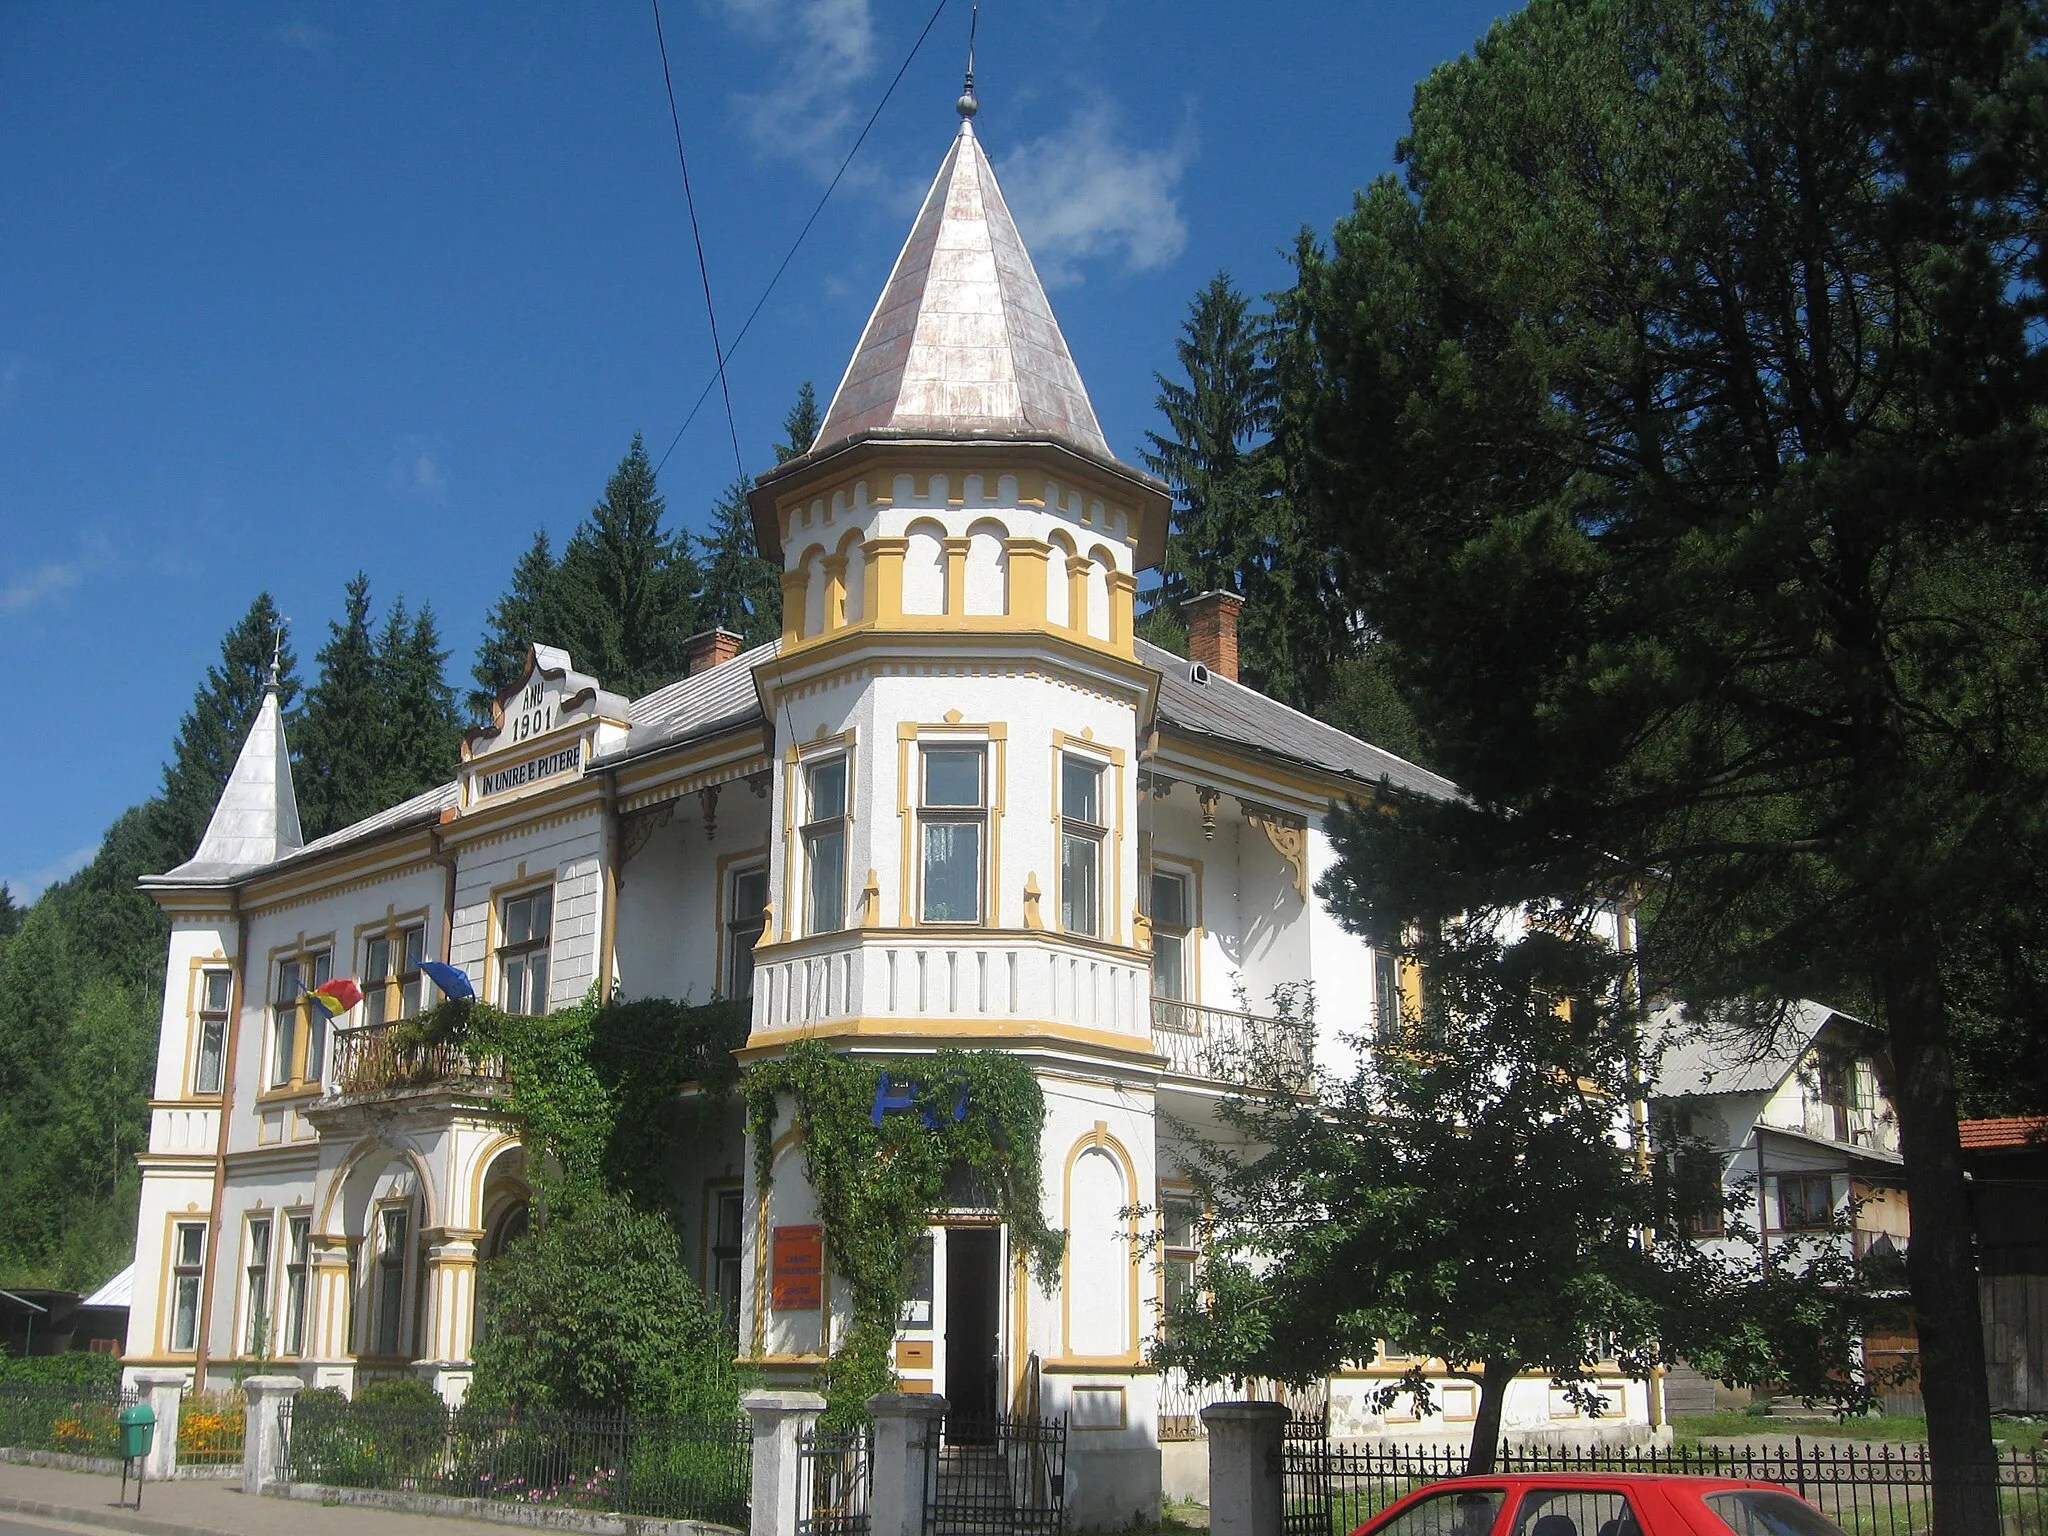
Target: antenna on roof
pixel 276 652
pixel 967 105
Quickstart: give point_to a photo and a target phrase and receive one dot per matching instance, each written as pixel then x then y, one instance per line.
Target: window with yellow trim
pixel 527 927
pixel 746 914
pixel 1082 832
pixel 824 844
pixel 391 974
pixel 298 1232
pixel 256 1291
pixel 216 995
pixel 188 1261
pixel 953 831
pixel 298 1030
pixel 1170 915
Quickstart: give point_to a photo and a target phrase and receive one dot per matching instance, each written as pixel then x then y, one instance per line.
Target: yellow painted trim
pixel 166 1299
pixel 1099 1136
pixel 195 994
pixel 727 866
pixel 295 1084
pixel 523 883
pixel 884 580
pixel 493 1148
pixel 1028 559
pixel 918 1034
pixel 801 759
pixel 1194 873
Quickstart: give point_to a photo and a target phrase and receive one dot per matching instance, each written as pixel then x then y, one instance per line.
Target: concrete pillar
pixel 1246 1444
pixel 451 1306
pixel 906 1442
pixel 779 1417
pixel 263 1429
pixel 164 1391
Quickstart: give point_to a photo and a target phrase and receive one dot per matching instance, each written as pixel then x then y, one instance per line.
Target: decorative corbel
pixel 1210 799
pixel 1289 837
pixel 760 783
pixel 707 797
pixel 1033 919
pixel 1141 930
pixel 871 901
pixel 637 828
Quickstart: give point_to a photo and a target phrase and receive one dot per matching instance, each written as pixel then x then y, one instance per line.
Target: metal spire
pixel 967 105
pixel 276 651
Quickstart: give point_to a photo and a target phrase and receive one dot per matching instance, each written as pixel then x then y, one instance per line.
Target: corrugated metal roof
pixel 1710 1054
pixel 256 820
pixel 117 1292
pixel 1247 718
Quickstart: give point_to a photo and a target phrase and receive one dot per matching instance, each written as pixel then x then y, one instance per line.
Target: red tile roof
pixel 2014 1131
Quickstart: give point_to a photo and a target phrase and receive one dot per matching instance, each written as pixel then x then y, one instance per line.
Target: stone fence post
pixel 263 1428
pixel 779 1418
pixel 164 1391
pixel 906 1440
pixel 1247 1442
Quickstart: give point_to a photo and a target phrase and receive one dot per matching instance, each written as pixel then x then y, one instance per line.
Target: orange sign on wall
pixel 797 1257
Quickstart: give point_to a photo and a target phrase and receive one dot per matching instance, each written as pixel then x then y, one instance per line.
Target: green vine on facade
pixel 879 1187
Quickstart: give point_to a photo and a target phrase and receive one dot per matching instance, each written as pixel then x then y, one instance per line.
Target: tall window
pixel 824 835
pixel 188 1259
pixel 1170 936
pixel 1386 998
pixel 523 953
pixel 391 1256
pixel 1180 1218
pixel 727 1214
pixel 746 911
pixel 216 992
pixel 953 813
pixel 1081 835
pixel 391 975
pixel 256 1303
pixel 297 1232
pixel 298 1031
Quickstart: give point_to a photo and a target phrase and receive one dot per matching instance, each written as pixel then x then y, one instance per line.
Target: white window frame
pixel 1079 835
pixel 1389 1027
pixel 743 929
pixel 298 1030
pixel 932 815
pixel 256 1320
pixel 386 987
pixel 298 1229
pixel 188 1269
pixel 391 1269
pixel 823 827
pixel 516 958
pixel 1176 934
pixel 210 1056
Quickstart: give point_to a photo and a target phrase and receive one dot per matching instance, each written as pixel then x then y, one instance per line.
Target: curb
pixel 105 1519
pixel 546 1517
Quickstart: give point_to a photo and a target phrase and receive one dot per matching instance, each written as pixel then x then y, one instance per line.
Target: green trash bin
pixel 138 1428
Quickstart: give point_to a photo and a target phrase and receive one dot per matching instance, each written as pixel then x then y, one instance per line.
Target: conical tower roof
pixel 256 821
pixel 963 342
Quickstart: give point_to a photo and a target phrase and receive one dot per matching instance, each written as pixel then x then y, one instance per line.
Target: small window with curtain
pixel 1082 830
pixel 824 841
pixel 1170 923
pixel 746 912
pixel 256 1300
pixel 523 952
pixel 188 1261
pixel 953 827
pixel 216 993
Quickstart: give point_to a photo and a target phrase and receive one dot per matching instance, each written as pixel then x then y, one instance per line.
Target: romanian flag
pixel 336 996
pixel 452 982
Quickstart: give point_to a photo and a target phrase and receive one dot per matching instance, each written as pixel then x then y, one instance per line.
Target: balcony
pixel 1230 1046
pixel 377 1058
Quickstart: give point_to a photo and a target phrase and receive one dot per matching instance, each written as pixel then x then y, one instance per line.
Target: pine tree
pixel 10 914
pixel 339 740
pixel 211 735
pixel 421 732
pixel 627 589
pixel 742 592
pixel 524 615
pixel 800 426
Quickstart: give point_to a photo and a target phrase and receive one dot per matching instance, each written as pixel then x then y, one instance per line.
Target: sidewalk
pixel 201 1508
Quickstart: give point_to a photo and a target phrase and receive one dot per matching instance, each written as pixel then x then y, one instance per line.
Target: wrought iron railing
pixel 833 1477
pixel 1004 1476
pixel 375 1057
pixel 681 1469
pixel 1232 1046
pixel 77 1418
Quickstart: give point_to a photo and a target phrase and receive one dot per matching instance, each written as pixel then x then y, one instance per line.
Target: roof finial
pixel 967 105
pixel 276 652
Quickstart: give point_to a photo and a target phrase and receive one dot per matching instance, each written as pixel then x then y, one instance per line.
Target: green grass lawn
pixel 1741 1426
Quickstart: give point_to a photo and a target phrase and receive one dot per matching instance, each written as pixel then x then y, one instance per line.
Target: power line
pixel 704 272
pixel 790 255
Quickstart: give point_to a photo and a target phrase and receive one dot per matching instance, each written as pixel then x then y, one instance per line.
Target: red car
pixel 1590 1504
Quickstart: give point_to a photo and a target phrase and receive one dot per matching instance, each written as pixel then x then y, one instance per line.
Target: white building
pixel 957 802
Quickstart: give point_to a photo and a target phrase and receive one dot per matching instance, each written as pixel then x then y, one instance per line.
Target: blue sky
pixel 291 290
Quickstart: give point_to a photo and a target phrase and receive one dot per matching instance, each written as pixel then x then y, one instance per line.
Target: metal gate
pixel 1305 1501
pixel 833 1475
pixel 1007 1477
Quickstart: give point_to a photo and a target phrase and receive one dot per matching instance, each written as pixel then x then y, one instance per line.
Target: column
pixel 1123 591
pixel 795 587
pixel 263 1429
pixel 164 1391
pixel 883 598
pixel 778 1419
pixel 450 1324
pixel 956 576
pixel 1028 561
pixel 1077 593
pixel 906 1440
pixel 834 616
pixel 1246 1443
pixel 328 1348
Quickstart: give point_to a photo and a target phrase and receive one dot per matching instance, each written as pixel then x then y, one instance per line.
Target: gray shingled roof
pixel 1247 718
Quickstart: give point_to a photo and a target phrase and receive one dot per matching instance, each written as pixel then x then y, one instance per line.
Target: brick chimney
pixel 707 650
pixel 1212 631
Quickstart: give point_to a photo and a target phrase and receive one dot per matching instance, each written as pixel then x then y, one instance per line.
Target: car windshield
pixel 1449 1512
pixel 1760 1512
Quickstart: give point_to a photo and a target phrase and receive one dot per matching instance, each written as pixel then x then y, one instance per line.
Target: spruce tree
pixel 627 589
pixel 421 732
pixel 10 914
pixel 800 426
pixel 211 735
pixel 524 615
pixel 742 592
pixel 339 740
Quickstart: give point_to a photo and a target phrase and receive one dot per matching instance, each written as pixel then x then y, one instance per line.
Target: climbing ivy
pixel 878 1187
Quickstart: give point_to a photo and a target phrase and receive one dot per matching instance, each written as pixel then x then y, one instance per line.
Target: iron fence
pixel 210 1427
pixel 373 1057
pixel 1874 1490
pixel 1004 1476
pixel 1233 1046
pixel 833 1478
pixel 672 1468
pixel 76 1418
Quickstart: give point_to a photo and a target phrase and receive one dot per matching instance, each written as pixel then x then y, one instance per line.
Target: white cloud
pixel 45 582
pixel 416 467
pixel 1082 193
pixel 26 888
pixel 825 48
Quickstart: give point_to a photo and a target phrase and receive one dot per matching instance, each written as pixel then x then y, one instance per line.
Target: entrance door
pixel 973 1329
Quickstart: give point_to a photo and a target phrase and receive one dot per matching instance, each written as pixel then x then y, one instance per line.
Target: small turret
pixel 256 821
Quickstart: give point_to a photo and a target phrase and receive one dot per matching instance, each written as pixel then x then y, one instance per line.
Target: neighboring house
pixel 2007 1165
pixel 956 802
pixel 1801 1125
pixel 38 1321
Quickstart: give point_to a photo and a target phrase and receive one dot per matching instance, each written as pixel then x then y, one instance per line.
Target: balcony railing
pixel 377 1057
pixel 1233 1046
